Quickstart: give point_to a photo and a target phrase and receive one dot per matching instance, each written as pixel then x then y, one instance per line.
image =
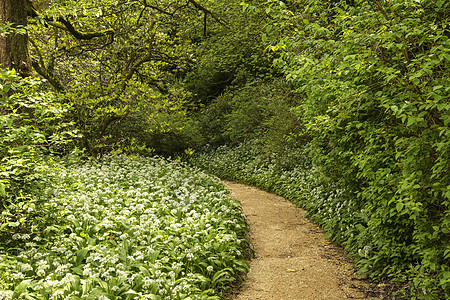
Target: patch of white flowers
pixel 129 228
pixel 291 174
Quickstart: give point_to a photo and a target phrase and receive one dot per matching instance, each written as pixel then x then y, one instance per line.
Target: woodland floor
pixel 293 260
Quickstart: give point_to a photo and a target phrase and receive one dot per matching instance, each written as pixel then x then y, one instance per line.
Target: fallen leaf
pixel 290 270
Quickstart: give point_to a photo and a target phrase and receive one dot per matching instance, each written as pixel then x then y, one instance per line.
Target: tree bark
pixel 14 47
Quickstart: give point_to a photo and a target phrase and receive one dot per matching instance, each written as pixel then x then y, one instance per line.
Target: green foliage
pixel 336 208
pixel 125 85
pixel 367 96
pixel 166 125
pixel 112 79
pixel 32 128
pixel 128 228
pixel 103 120
pixel 374 83
pixel 260 109
pixel 230 55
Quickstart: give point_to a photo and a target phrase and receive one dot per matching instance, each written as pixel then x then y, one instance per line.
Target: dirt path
pixel 293 259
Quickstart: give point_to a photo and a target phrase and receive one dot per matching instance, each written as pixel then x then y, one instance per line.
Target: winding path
pixel 293 259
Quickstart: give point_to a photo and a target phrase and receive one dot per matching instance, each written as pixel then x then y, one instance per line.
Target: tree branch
pixel 84 35
pixel 161 10
pixel 134 66
pixel 66 25
pixel 44 73
pixel 31 11
pixel 157 8
pixel 39 67
pixel 207 11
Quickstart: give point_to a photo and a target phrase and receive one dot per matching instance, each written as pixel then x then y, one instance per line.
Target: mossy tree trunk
pixel 14 46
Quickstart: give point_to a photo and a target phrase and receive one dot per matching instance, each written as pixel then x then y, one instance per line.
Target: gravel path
pixel 293 259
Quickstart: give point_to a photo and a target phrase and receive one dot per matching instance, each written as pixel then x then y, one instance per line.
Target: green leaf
pixel 264 37
pixel 81 255
pixel 2 189
pixel 131 292
pixel 21 288
pixel 411 121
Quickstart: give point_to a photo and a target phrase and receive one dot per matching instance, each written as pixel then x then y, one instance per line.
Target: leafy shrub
pixel 329 202
pixel 260 109
pixel 168 126
pixel 374 80
pixel 128 228
pixel 32 128
pixel 374 87
pixel 229 55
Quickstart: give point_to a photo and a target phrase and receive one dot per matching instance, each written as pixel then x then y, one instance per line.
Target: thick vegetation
pixel 373 84
pixel 341 106
pixel 32 128
pixel 125 228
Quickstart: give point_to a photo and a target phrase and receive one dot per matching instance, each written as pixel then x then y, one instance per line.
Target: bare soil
pixel 293 260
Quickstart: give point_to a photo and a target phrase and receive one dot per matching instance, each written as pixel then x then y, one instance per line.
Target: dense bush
pixel 163 126
pixel 230 55
pixel 127 228
pixel 257 109
pixel 33 127
pixel 331 204
pixel 374 87
pixel 374 77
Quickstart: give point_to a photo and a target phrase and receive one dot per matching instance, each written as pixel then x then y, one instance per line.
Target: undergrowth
pixel 124 228
pixel 338 210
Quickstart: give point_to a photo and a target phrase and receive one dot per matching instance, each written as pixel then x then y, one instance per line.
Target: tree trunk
pixel 14 47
